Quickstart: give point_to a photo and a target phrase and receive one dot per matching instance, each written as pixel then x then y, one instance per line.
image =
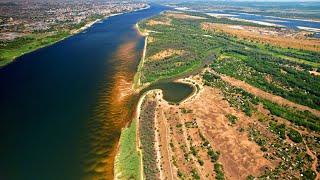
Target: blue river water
pixel 290 23
pixel 62 107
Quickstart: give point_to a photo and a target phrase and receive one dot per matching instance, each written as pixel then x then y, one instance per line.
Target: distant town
pixel 26 25
pixel 23 18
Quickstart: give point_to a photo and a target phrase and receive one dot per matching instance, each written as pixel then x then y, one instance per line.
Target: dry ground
pixel 166 53
pixel 180 15
pixel 271 97
pixel 153 22
pixel 315 73
pixel 275 36
pixel 239 156
pixel 178 129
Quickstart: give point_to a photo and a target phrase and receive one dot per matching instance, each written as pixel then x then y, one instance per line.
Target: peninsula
pixel 248 116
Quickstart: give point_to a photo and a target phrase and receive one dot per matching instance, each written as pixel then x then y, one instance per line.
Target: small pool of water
pixel 172 91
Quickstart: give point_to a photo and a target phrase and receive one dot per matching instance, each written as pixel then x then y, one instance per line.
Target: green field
pixel 128 160
pixel 19 46
pixel 10 50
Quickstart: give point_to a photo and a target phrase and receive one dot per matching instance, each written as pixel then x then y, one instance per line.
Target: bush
pixel 278 129
pixel 264 149
pixel 193 150
pixel 200 162
pixel 295 136
pixel 195 175
pixel 232 118
pixel 309 175
pixel 218 168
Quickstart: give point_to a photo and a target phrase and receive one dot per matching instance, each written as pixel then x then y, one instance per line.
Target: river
pixel 62 107
pixel 308 25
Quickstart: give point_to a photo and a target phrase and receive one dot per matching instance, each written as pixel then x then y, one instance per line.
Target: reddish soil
pixel 274 36
pixel 239 156
pixel 271 97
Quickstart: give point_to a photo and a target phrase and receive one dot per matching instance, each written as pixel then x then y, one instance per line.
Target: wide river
pixel 62 107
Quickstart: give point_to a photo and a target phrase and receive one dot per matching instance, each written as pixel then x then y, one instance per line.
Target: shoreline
pixel 195 94
pixel 136 80
pixel 137 110
pixel 71 33
pixel 286 18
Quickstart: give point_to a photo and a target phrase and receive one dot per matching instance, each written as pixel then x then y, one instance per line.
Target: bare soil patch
pixel 166 53
pixel 153 22
pixel 282 37
pixel 315 73
pixel 239 156
pixel 179 128
pixel 179 15
pixel 266 95
pixel 151 39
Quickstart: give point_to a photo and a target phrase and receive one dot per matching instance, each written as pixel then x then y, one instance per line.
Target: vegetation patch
pixel 218 168
pixel 13 49
pixel 246 102
pixel 295 136
pixel 147 138
pixel 127 163
pixel 232 118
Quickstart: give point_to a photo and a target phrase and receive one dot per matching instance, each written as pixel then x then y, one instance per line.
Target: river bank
pixel 77 95
pixel 137 76
pixel 129 156
pixel 11 55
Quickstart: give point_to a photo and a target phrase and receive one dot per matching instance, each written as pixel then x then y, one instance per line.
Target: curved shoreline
pixel 137 108
pixel 72 33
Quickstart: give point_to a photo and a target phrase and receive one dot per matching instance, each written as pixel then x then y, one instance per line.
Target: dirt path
pixel 239 156
pixel 138 144
pixel 266 95
pixel 137 115
pixel 167 148
pixel 157 147
pixel 279 100
pixel 314 165
pixel 185 135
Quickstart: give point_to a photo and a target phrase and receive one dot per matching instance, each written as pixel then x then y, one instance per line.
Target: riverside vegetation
pixel 270 68
pixel 12 49
pixel 288 137
pixel 127 164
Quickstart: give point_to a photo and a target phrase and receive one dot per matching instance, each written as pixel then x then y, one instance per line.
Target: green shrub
pixel 200 162
pixel 295 136
pixel 232 118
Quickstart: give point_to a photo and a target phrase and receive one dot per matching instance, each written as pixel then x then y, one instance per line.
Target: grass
pixel 128 161
pixel 137 76
pixel 9 51
pixel 13 49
